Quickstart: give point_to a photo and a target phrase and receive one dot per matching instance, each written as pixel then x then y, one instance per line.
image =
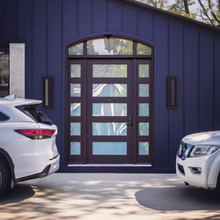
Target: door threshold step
pixel 109 165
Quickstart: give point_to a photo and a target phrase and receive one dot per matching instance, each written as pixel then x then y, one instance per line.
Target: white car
pixel 198 160
pixel 27 142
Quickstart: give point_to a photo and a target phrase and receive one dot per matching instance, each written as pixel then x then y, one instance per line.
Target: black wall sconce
pixel 172 88
pixel 47 92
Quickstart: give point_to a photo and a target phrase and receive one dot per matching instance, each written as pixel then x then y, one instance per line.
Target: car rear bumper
pixel 49 169
pixel 55 165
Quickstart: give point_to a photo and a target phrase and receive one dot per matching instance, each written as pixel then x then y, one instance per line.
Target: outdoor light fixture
pixel 172 88
pixel 47 92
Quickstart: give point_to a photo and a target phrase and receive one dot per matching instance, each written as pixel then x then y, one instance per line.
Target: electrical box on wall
pixel 47 99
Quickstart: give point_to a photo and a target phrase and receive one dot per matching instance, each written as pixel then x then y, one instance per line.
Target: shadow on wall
pixel 19 193
pixel 176 198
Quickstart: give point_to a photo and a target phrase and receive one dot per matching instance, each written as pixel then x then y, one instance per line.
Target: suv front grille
pixel 184 150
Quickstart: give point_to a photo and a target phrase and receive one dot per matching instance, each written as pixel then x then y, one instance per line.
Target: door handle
pixel 129 121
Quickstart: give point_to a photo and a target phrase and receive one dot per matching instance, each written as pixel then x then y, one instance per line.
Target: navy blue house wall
pixel 185 49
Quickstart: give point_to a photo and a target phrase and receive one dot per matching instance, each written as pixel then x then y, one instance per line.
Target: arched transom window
pixel 110 46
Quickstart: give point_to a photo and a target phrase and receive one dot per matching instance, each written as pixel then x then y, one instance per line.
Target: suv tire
pixel 5 177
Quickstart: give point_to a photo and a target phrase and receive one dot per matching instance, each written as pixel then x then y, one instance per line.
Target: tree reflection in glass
pixel 76 49
pixel 143 49
pixel 111 46
pixel 144 129
pixel 109 129
pixel 109 109
pixel 143 148
pixel 4 71
pixel 110 70
pixel 109 90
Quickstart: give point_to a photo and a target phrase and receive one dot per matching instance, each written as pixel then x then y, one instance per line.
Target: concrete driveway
pixel 109 196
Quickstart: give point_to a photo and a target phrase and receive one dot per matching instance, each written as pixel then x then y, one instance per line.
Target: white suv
pixel 27 142
pixel 198 160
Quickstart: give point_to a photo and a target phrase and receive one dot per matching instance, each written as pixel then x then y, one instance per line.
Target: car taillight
pixel 36 133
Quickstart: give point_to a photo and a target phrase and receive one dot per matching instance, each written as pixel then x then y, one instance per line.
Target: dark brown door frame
pixel 84 100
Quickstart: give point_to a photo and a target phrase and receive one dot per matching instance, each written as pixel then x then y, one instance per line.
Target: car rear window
pixel 3 117
pixel 30 110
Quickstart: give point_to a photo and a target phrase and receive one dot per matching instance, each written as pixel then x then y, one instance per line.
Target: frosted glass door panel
pixel 143 70
pixel 75 90
pixel 75 148
pixel 109 148
pixel 143 109
pixel 109 129
pixel 75 109
pixel 143 128
pixel 109 90
pixel 143 148
pixel 75 129
pixel 143 90
pixel 109 109
pixel 111 70
pixel 75 70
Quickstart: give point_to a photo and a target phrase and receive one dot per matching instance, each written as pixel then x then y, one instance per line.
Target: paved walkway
pixel 109 196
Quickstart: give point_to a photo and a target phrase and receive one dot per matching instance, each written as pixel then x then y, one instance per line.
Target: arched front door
pixel 109 102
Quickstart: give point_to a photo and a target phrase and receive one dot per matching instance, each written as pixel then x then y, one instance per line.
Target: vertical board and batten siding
pixel 129 18
pixel 25 32
pixel 69 31
pixel 84 17
pixel 99 16
pixel 145 19
pixel 55 66
pixel 175 59
pixel 216 81
pixel 206 95
pixel 114 19
pixel 39 46
pixel 191 76
pixel 9 17
pixel 69 25
pixel 182 48
pixel 161 122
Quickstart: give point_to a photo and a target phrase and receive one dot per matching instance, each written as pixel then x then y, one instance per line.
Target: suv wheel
pixel 5 178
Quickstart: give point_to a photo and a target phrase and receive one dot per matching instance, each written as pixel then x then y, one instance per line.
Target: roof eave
pixel 172 14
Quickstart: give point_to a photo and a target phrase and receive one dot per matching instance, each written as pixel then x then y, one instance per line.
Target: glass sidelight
pixel 144 116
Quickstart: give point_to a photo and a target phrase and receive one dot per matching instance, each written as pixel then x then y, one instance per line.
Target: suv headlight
pixel 202 150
